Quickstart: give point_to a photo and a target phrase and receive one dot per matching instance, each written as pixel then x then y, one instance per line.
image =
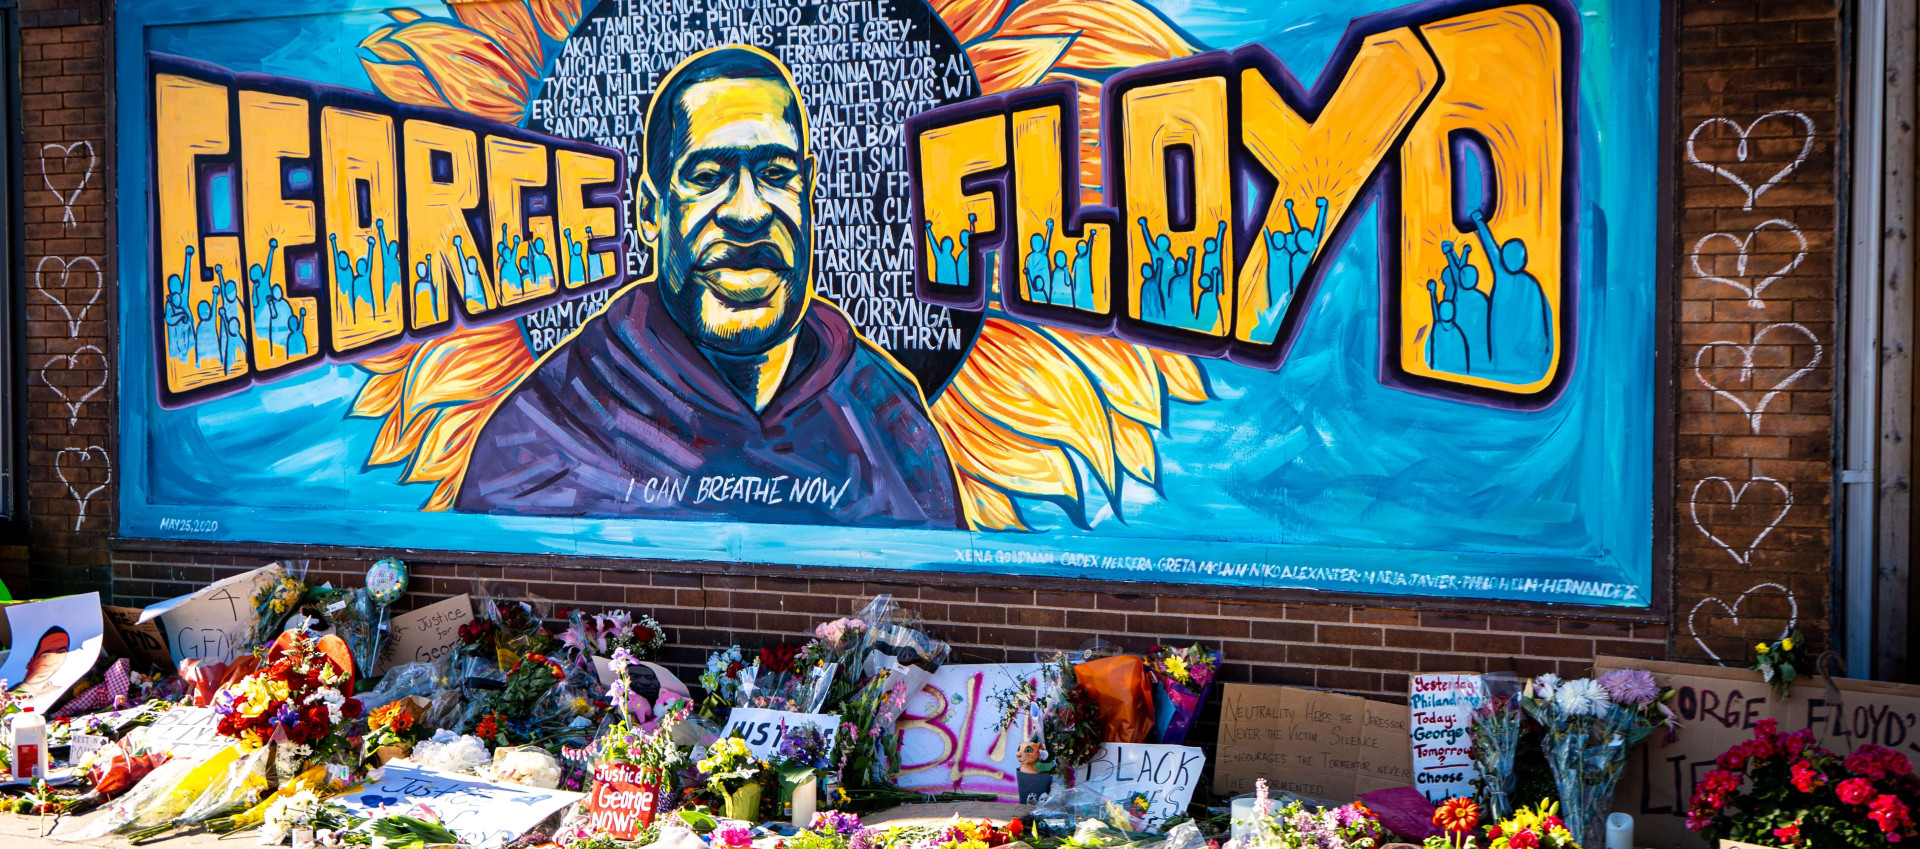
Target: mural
pixel 1089 288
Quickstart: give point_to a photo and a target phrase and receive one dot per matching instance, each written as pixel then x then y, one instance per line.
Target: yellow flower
pixel 1177 667
pixel 1761 648
pixel 1787 644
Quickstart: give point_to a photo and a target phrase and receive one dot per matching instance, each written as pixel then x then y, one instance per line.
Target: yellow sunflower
pixel 1026 400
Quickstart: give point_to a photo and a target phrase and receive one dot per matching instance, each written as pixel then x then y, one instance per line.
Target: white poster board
pixel 55 643
pixel 950 736
pixel 1151 780
pixel 1442 706
pixel 763 729
pixel 186 732
pixel 485 815
pixel 214 623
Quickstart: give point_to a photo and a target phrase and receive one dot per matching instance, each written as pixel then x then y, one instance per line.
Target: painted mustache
pixel 753 257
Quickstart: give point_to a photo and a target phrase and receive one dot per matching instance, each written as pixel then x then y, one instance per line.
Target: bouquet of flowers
pixel 1457 818
pixel 1591 725
pixel 734 773
pixel 954 834
pixel 276 597
pixel 725 678
pixel 829 830
pixel 303 810
pixel 1296 826
pixel 1069 717
pixel 397 727
pixel 831 663
pixel 1780 662
pixel 1785 789
pixel 626 742
pixel 510 710
pixel 1538 827
pixel 504 632
pixel 301 693
pixel 778 683
pixel 1183 678
pixel 604 633
pixel 1494 734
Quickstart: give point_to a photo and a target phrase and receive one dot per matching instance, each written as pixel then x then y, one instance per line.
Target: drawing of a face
pixel 728 202
pixel 48 656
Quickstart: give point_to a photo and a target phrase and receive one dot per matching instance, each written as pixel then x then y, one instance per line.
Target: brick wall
pixel 1751 461
pixel 69 294
pixel 1754 427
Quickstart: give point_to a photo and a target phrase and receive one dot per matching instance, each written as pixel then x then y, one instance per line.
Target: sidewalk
pixel 26 831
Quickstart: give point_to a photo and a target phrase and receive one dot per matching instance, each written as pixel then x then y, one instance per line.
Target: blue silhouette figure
pixel 1061 281
pixel 297 335
pixel 363 276
pixel 343 279
pixel 596 267
pixel 206 334
pixel 233 341
pixel 1521 324
pixel 472 290
pixel 257 275
pixel 963 258
pixel 1446 345
pixel 1470 305
pixel 576 264
pixel 1180 295
pixel 506 259
pixel 1083 269
pixel 1306 240
pixel 392 272
pixel 1039 270
pixel 275 300
pixel 423 282
pixel 180 330
pixel 542 264
pixel 1211 273
pixel 1153 303
pixel 1160 255
pixel 945 272
pixel 520 266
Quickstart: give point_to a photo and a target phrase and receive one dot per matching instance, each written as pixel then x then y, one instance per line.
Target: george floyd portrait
pixel 722 388
pixel 49 653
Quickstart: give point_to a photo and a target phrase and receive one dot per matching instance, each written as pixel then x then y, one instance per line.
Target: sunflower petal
pixel 403 83
pixel 1005 459
pixel 557 18
pixel 510 24
pixel 1091 177
pixel 397 440
pixel 405 16
pixel 987 508
pixel 1133 444
pixel 466 366
pixel 1124 379
pixel 444 451
pixel 474 74
pixel 1005 64
pixel 380 396
pixel 1183 378
pixel 1113 33
pixel 391 361
pixel 970 19
pixel 442 498
pixel 1028 384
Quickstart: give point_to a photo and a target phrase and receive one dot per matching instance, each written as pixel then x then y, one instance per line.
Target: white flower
pixel 1545 685
pixel 1582 697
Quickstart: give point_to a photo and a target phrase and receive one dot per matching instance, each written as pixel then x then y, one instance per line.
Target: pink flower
pixel 733 835
pixel 1855 791
pixel 1806 778
pixel 1788 834
pixel 1890 813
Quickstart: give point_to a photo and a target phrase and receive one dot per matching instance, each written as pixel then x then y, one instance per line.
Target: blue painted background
pixel 1312 476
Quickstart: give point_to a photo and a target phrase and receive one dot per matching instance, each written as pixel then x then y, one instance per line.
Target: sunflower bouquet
pixel 1591 724
pixel 1183 678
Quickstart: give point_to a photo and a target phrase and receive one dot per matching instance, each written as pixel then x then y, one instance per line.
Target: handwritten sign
pixel 1324 746
pixel 1442 712
pixel 215 623
pixel 79 746
pixel 950 735
pixel 1718 707
pixel 186 732
pixel 137 638
pixel 430 633
pixel 1150 780
pixel 486 816
pixel 622 802
pixel 763 729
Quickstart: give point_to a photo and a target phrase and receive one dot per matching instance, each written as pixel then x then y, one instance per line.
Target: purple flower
pixel 1630 686
pixel 863 839
pixel 622 659
pixel 223 701
pixel 286 716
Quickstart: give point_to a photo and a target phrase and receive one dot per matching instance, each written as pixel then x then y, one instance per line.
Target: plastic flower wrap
pixel 1069 718
pixel 1182 678
pixel 725 674
pixel 277 597
pixel 729 764
pixel 1590 727
pixel 1494 732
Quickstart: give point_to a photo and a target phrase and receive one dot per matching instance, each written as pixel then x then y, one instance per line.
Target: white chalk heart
pixel 71 362
pixel 69 197
pixel 1744 556
pixel 1733 612
pixel 1744 244
pixel 1741 151
pixel 66 267
pixel 1754 411
pixel 83 457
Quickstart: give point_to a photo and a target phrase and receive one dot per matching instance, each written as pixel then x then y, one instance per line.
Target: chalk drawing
pixel 1733 612
pixel 66 275
pixel 71 362
pixel 67 198
pixel 1754 411
pixel 85 457
pixel 1745 244
pixel 1741 151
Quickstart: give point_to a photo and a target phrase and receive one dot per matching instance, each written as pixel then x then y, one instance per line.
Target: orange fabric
pixel 1125 693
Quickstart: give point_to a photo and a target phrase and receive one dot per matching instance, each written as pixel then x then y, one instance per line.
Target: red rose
pixel 1524 840
pixel 351 709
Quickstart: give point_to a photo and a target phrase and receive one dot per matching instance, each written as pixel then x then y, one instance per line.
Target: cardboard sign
pixel 54 643
pixel 763 729
pixel 215 623
pixel 430 633
pixel 486 816
pixel 186 732
pixel 1151 780
pixel 1324 746
pixel 950 735
pixel 622 803
pixel 1442 708
pixel 137 638
pixel 81 745
pixel 1719 707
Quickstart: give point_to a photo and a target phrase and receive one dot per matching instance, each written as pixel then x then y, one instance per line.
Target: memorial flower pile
pixel 396 724
pixel 1297 826
pixel 300 695
pixel 603 634
pixel 955 834
pixel 1538 827
pixel 827 830
pixel 1787 790
pixel 1591 725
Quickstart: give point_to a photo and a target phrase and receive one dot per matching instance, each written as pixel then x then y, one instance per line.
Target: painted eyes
pixel 710 176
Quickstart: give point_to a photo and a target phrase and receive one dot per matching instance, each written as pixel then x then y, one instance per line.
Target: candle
pixel 1619 831
pixel 1243 820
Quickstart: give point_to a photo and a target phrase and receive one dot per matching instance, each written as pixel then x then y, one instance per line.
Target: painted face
pixel 735 218
pixel 47 658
